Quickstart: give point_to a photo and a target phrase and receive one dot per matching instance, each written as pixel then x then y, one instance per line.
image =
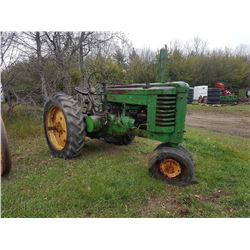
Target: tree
pixel 142 67
pixel 37 64
pixel 120 57
pixel 8 58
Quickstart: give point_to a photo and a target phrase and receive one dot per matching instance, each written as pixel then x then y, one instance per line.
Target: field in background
pixel 113 181
pixel 233 109
pixel 230 119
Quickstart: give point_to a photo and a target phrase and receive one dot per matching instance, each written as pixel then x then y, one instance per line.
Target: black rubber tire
pixel 121 140
pixel 5 152
pixel 215 92
pixel 213 98
pixel 165 144
pixel 213 102
pixel 75 125
pixel 176 154
pixel 190 97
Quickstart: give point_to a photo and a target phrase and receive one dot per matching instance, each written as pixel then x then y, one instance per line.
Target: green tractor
pixel 118 113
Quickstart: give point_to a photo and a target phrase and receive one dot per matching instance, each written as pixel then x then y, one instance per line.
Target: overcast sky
pixel 222 23
pixel 149 23
pixel 156 39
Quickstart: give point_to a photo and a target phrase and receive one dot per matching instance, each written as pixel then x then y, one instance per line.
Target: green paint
pixel 165 105
pixel 93 123
pixel 228 98
pixel 162 66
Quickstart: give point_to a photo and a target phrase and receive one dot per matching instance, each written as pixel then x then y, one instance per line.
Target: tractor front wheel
pixel 172 165
pixel 165 144
pixel 64 126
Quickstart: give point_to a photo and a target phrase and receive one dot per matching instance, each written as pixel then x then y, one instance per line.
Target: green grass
pixel 234 109
pixel 113 181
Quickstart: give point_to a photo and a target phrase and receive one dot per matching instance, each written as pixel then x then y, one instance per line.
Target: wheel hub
pixel 56 128
pixel 170 168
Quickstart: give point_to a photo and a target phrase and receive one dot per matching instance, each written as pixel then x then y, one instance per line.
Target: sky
pixel 147 23
pixel 222 23
pixel 156 39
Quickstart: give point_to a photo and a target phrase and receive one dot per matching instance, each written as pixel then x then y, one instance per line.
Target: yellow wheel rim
pixel 170 168
pixel 56 128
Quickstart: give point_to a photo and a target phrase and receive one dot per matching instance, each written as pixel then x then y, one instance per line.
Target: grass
pixel 233 109
pixel 113 181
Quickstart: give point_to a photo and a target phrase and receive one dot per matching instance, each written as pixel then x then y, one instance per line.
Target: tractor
pixel 117 113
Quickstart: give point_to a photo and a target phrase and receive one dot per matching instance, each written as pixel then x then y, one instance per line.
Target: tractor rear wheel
pixel 64 126
pixel 172 165
pixel 5 153
pixel 121 140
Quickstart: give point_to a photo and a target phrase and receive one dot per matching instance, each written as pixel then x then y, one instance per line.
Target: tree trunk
pixel 43 86
pixel 81 55
pixel 40 66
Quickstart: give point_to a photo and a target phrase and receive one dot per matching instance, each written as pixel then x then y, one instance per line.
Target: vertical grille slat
pixel 165 110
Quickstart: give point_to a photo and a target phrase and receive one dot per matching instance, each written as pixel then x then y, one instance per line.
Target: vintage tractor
pixel 118 113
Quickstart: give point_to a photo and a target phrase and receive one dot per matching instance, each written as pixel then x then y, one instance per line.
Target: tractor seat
pixel 82 90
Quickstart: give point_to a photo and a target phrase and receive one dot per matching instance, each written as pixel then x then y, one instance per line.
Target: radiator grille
pixel 165 110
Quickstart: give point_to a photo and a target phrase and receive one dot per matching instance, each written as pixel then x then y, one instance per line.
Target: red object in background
pixel 221 86
pixel 225 92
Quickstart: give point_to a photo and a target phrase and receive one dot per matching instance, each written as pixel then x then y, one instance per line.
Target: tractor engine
pixel 158 109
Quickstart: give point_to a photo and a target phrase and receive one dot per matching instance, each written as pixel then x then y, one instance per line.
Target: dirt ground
pixel 232 124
